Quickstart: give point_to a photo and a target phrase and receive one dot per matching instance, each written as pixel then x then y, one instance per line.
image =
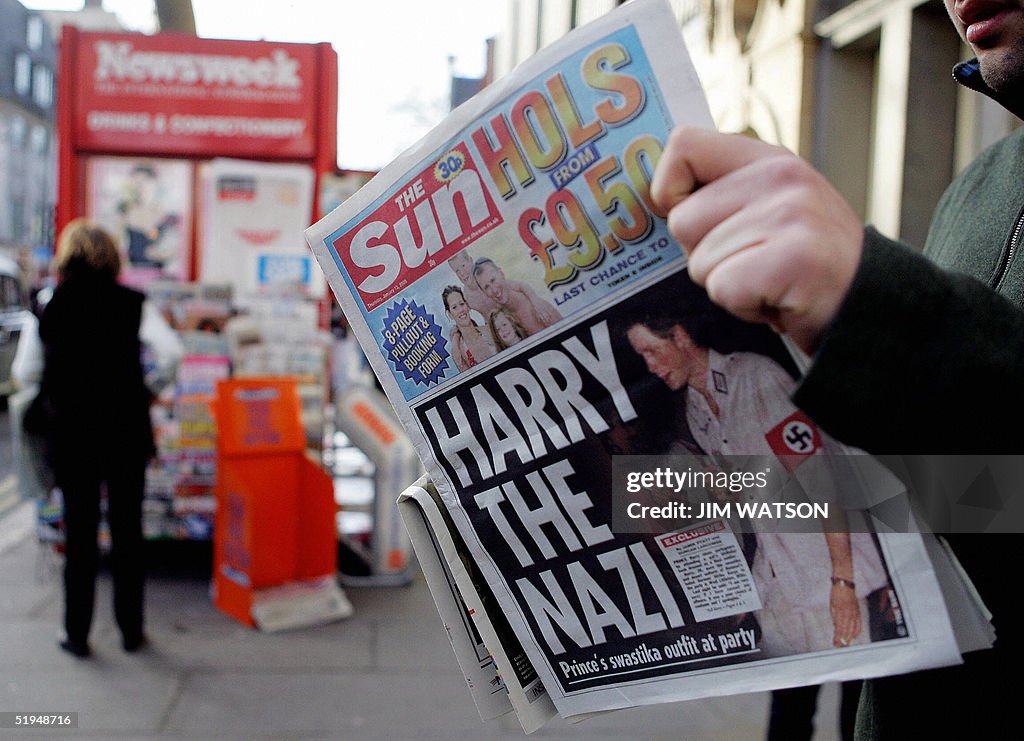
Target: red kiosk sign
pixel 144 94
pixel 173 95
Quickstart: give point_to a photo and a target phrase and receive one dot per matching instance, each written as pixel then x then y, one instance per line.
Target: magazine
pixel 520 299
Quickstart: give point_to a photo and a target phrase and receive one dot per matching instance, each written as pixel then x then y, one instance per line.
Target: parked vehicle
pixel 14 313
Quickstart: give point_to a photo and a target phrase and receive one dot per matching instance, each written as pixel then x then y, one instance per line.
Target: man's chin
pixel 673 383
pixel 1003 70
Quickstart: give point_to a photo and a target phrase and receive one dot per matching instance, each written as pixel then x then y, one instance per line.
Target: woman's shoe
pixel 78 650
pixel 135 643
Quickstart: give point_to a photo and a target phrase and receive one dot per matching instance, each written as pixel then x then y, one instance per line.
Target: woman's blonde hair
pixel 87 247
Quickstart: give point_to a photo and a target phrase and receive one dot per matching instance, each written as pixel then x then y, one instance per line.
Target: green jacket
pixel 919 337
pixel 926 356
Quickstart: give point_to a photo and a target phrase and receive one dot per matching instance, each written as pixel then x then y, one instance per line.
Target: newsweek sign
pixel 176 94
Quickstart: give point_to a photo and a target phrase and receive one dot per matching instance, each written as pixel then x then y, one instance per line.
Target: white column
pixel 885 189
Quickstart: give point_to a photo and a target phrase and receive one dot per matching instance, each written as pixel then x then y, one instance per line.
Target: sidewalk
pixel 9 495
pixel 388 672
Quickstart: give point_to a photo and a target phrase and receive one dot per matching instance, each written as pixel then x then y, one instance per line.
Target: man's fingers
pixel 727 239
pixel 737 283
pixel 761 284
pixel 724 217
pixel 753 189
pixel 850 628
pixel 768 237
pixel 693 217
pixel 695 157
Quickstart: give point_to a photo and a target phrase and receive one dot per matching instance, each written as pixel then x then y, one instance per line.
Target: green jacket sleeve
pixel 919 360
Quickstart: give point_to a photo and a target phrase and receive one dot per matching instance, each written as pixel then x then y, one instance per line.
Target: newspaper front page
pixel 520 298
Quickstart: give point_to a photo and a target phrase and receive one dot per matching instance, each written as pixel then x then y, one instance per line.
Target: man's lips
pixel 983 19
pixel 980 32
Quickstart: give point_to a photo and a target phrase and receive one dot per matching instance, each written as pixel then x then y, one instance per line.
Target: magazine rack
pixel 368 420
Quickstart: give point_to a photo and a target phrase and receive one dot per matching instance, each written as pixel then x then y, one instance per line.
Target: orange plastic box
pixel 275 508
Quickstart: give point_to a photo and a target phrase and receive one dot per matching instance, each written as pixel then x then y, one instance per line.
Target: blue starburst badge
pixel 412 341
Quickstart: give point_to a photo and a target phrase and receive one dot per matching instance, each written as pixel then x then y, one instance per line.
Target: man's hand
pixel 768 237
pixel 845 609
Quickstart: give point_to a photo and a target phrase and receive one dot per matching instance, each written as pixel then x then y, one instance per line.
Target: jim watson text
pixel 726 510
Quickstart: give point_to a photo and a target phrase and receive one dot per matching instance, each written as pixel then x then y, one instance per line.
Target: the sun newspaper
pixel 524 307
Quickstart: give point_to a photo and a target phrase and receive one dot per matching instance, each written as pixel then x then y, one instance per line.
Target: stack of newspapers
pixel 622 506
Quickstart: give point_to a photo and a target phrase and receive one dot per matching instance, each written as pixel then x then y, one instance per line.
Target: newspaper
pixel 500 276
pixel 481 638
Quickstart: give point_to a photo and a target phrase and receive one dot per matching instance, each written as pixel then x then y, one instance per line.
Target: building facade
pixel 861 88
pixel 27 147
